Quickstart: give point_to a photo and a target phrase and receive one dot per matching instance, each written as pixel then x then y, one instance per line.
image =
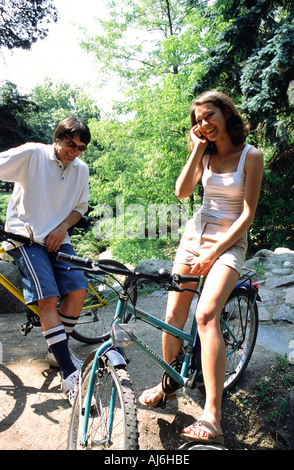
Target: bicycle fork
pixel 116 358
pixel 89 394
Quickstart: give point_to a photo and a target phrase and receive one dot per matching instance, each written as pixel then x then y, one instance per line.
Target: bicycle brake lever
pixel 86 270
pixel 30 231
pixel 175 287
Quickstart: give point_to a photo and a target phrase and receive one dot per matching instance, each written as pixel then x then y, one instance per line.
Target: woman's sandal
pixel 212 435
pixel 154 397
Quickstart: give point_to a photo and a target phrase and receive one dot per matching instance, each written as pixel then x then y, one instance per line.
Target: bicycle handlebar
pixel 8 236
pixel 110 265
pixel 115 267
pixel 75 260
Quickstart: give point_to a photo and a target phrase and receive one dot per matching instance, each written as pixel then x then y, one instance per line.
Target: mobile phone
pixel 199 135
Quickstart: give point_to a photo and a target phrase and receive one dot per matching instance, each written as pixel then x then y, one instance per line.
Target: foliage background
pixel 164 53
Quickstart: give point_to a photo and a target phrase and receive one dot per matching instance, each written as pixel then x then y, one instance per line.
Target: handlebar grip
pixel 165 275
pixel 75 260
pixel 185 279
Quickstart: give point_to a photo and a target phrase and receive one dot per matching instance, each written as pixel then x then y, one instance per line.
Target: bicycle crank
pixel 169 385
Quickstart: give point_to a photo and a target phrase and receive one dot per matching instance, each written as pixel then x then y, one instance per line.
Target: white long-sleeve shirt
pixel 45 191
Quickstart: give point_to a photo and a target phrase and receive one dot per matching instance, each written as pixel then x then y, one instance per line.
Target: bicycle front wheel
pixel 239 326
pixel 113 416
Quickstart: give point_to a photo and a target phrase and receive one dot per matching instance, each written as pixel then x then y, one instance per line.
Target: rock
pixel 250 263
pixel 282 272
pixel 9 303
pixel 263 314
pixel 268 296
pixel 284 314
pixel 279 256
pixel 274 339
pixel 105 255
pixel 274 282
pixel 153 266
pixel 288 263
pixel 264 254
pixel 283 250
pixel 289 295
pixel 275 271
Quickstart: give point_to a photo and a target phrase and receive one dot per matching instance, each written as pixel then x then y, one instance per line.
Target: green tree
pixel 23 22
pixel 147 38
pixel 34 116
pixel 155 48
pixel 165 52
pixel 56 102
pixel 15 113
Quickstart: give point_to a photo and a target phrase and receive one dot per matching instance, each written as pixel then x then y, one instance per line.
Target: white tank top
pixel 223 193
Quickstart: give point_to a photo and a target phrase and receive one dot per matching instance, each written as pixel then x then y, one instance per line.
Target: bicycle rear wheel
pixel 94 325
pixel 116 430
pixel 239 329
pixel 97 314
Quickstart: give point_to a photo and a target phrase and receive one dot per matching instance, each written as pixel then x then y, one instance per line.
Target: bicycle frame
pixel 14 290
pixel 181 378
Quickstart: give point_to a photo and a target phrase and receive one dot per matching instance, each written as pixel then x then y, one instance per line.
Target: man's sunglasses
pixel 73 145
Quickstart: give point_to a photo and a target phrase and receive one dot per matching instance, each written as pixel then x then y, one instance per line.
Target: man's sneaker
pixel 70 386
pixel 75 360
pixel 50 359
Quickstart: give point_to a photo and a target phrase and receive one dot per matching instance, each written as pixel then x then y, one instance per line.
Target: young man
pixel 50 195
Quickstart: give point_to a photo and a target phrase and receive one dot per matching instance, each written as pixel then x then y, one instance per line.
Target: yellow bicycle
pixel 97 314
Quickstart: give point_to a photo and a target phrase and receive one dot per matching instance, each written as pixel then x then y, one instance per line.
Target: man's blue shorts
pixel 43 276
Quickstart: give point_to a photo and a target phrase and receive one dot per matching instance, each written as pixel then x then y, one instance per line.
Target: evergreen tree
pixel 253 61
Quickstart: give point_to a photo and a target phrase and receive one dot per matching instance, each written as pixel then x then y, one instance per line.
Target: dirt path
pixel 37 415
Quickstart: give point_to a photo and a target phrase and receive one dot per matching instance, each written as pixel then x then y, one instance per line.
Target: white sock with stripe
pixel 68 322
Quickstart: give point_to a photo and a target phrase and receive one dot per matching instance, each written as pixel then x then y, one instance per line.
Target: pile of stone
pixel 275 272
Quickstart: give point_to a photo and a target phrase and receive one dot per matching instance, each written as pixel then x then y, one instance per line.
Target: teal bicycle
pixel 104 415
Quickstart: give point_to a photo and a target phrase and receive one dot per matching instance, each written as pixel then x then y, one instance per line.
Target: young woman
pixel 214 243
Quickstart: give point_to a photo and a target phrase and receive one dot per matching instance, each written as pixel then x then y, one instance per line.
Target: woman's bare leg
pixel 177 311
pixel 217 288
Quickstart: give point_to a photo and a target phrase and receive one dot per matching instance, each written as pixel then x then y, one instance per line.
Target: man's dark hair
pixel 72 126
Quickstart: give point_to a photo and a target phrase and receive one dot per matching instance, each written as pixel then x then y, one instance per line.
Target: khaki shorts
pixel 201 233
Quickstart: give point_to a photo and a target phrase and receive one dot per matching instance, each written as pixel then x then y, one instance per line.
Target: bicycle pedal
pixel 122 335
pixel 26 328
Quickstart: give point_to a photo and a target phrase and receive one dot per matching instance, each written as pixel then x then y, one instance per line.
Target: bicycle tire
pixel 95 320
pixel 245 332
pixel 94 324
pixel 124 434
pixel 12 398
